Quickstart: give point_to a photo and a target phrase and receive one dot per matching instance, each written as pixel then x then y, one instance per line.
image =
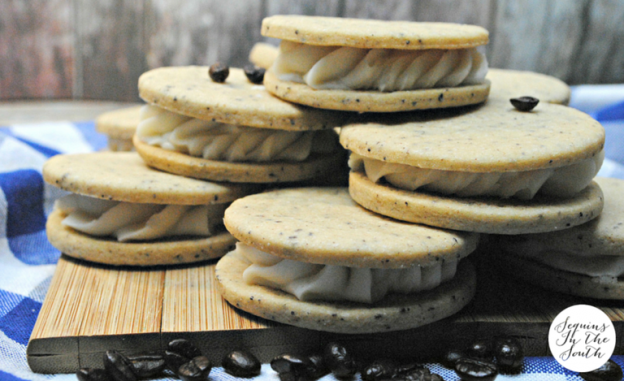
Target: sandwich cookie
pixel 508 84
pixel 313 258
pixel 379 66
pixel 121 212
pixel 489 169
pixel 119 126
pixel 587 260
pixel 233 131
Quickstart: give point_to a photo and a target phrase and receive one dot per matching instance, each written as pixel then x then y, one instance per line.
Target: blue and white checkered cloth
pixel 27 260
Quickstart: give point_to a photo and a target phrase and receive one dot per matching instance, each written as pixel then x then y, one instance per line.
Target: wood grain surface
pixel 84 50
pixel 92 308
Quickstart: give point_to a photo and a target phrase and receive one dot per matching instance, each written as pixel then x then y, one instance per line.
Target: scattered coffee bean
pixel 524 103
pixel 481 350
pixel 219 72
pixel 254 73
pixel 174 360
pixel 404 368
pixel 339 362
pixel 197 369
pixel 241 364
pixel 118 366
pixel 319 368
pixel 379 370
pixel 610 371
pixel 184 348
pixel 509 355
pixel 90 374
pixel 451 357
pixel 475 370
pixel 147 365
pixel 287 363
pixel 436 377
pixel 416 374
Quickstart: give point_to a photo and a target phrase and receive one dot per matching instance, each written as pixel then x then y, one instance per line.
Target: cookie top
pixel 323 225
pixel 601 236
pixel 508 84
pixel 119 124
pixel 373 34
pixel 190 91
pixel 494 137
pixel 125 177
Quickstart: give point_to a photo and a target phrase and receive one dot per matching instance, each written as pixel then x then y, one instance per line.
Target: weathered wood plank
pixel 36 50
pixel 110 39
pixel 304 7
pixel 16 112
pixel 382 9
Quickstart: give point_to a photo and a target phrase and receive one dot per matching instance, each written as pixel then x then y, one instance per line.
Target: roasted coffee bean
pixel 481 350
pixel 90 374
pixel 184 348
pixel 436 377
pixel 174 360
pixel 475 370
pixel 524 103
pixel 416 374
pixel 287 363
pixel 379 370
pixel 451 357
pixel 319 368
pixel 197 369
pixel 241 364
pixel 147 365
pixel 219 72
pixel 339 362
pixel 610 371
pixel 254 73
pixel 118 366
pixel 509 355
pixel 405 368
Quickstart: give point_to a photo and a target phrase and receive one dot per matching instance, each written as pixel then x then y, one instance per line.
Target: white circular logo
pixel 581 338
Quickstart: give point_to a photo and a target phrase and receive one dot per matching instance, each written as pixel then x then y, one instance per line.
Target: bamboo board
pixel 90 309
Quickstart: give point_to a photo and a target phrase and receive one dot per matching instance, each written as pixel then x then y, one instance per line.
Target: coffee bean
pixel 174 360
pixel 379 370
pixel 509 355
pixel 287 363
pixel 197 369
pixel 241 364
pixel 436 377
pixel 319 368
pixel 184 348
pixel 481 350
pixel 254 73
pixel 610 371
pixel 118 366
pixel 289 376
pixel 90 374
pixel 339 362
pixel 147 365
pixel 524 103
pixel 451 357
pixel 475 370
pixel 219 72
pixel 405 368
pixel 416 374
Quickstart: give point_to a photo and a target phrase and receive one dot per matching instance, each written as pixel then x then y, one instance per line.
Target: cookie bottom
pixel 105 251
pixel 559 280
pixel 483 215
pixel 394 312
pixel 376 101
pixel 276 172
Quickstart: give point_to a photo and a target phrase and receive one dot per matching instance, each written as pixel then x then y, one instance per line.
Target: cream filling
pixel 347 68
pixel 225 142
pixel 138 222
pixel 604 269
pixel 559 182
pixel 308 281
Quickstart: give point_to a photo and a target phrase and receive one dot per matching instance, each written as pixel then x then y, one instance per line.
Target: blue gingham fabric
pixel 27 260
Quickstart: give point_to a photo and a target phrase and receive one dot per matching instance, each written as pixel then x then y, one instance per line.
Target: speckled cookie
pixel 484 215
pixel 395 312
pixel 508 84
pixel 324 225
pixel 490 138
pixel 263 55
pixel 119 126
pixel 125 177
pixel 373 34
pixel 190 91
pixel 271 172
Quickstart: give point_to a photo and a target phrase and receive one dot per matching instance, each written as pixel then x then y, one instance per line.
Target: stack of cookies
pixel 426 149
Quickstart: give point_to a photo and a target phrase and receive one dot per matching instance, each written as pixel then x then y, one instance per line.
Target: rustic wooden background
pixel 96 49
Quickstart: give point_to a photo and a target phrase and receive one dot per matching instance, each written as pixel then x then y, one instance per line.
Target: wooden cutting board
pixel 90 309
